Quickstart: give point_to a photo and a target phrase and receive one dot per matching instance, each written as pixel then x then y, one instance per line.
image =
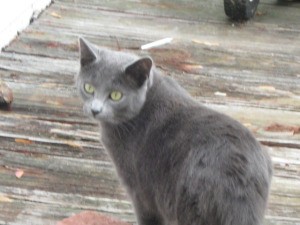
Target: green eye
pixel 89 88
pixel 116 95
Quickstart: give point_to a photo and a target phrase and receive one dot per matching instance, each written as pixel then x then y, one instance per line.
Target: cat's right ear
pixel 138 72
pixel 87 54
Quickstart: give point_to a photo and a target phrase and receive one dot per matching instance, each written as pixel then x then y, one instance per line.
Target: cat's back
pixel 173 112
pixel 199 150
pixel 193 127
pixel 187 129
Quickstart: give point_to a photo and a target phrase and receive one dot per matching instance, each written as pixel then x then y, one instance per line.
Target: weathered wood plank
pixel 151 28
pixel 49 172
pixel 257 120
pixel 245 88
pixel 42 172
pixel 272 37
pixel 223 59
pixel 249 71
pixel 285 193
pixel 32 206
pixel 38 65
pixel 268 11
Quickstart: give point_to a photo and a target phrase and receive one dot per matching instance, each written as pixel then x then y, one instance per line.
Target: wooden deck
pixel 249 71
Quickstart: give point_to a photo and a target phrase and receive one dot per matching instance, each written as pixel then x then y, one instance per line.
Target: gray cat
pixel 181 162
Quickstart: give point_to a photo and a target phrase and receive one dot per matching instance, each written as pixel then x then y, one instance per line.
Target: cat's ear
pixel 138 72
pixel 87 54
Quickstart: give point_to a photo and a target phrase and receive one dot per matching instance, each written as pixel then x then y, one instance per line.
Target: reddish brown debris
pixel 23 141
pixel 174 58
pixel 275 127
pixel 91 218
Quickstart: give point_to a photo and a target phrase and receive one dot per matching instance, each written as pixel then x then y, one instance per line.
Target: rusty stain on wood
pixel 281 128
pixel 249 71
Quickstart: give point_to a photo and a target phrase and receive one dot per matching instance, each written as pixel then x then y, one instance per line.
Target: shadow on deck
pixel 249 71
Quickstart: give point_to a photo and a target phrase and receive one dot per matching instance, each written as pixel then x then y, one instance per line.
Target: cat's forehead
pixel 109 57
pixel 108 66
pixel 113 62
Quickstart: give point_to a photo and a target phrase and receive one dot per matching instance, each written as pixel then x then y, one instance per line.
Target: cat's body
pixel 181 163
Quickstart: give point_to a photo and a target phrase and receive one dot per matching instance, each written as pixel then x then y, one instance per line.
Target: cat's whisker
pixel 119 133
pixel 132 125
pixel 127 127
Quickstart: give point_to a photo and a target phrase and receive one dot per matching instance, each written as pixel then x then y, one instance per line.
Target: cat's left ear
pixel 87 53
pixel 138 72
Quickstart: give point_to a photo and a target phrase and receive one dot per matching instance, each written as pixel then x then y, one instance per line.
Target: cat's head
pixel 113 85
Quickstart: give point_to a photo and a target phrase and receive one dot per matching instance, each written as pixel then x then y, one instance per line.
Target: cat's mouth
pixel 98 116
pixel 102 117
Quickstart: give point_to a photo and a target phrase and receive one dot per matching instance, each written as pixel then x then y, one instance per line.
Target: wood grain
pixel 250 71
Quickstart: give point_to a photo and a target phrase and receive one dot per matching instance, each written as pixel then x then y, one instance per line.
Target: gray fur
pixel 181 162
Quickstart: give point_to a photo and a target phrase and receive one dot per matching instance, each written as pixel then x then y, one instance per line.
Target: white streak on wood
pixel 157 43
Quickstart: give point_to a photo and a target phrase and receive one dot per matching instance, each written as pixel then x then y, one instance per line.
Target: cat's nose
pixel 96 107
pixel 95 112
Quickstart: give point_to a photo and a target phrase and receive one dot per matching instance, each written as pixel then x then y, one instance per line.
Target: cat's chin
pixel 107 120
